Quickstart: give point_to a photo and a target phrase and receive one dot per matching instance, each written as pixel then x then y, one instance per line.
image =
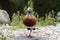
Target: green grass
pixel 21 26
pixel 2 38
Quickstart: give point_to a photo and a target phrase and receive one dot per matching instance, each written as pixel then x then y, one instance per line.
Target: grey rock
pixel 58 38
pixel 4 17
pixel 58 16
pixel 33 38
pixel 45 33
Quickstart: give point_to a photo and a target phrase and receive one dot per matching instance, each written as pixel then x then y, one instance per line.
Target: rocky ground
pixel 44 33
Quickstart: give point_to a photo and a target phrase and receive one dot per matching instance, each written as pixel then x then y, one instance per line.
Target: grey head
pixel 30 10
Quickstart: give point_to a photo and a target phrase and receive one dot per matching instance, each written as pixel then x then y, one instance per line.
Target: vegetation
pixel 48 20
pixel 17 21
pixel 2 38
pixel 17 18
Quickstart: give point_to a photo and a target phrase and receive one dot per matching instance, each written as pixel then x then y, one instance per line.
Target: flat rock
pixel 33 38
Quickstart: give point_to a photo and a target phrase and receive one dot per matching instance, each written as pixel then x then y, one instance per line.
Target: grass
pixel 21 26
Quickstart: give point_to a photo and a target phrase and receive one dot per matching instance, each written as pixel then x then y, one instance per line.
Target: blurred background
pixel 40 6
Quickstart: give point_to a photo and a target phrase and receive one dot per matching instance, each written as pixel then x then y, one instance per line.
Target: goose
pixel 29 20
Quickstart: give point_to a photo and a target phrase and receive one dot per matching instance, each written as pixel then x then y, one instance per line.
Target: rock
pixel 48 32
pixel 21 32
pixel 44 33
pixel 1 33
pixel 33 38
pixel 4 17
pixel 25 38
pixel 58 16
pixel 7 33
pixel 58 25
pixel 16 33
pixel 5 26
pixel 58 38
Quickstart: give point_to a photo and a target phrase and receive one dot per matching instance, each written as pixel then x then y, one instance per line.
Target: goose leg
pixel 30 34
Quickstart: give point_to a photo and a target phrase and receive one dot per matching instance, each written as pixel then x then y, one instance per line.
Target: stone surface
pixel 58 16
pixel 4 17
pixel 33 38
pixel 44 33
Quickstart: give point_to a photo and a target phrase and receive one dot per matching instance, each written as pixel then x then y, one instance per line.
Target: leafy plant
pixel 49 19
pixel 15 19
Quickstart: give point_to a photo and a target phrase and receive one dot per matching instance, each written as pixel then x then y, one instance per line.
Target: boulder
pixel 58 16
pixel 4 17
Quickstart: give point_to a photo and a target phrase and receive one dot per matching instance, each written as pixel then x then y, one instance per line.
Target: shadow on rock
pixel 33 38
